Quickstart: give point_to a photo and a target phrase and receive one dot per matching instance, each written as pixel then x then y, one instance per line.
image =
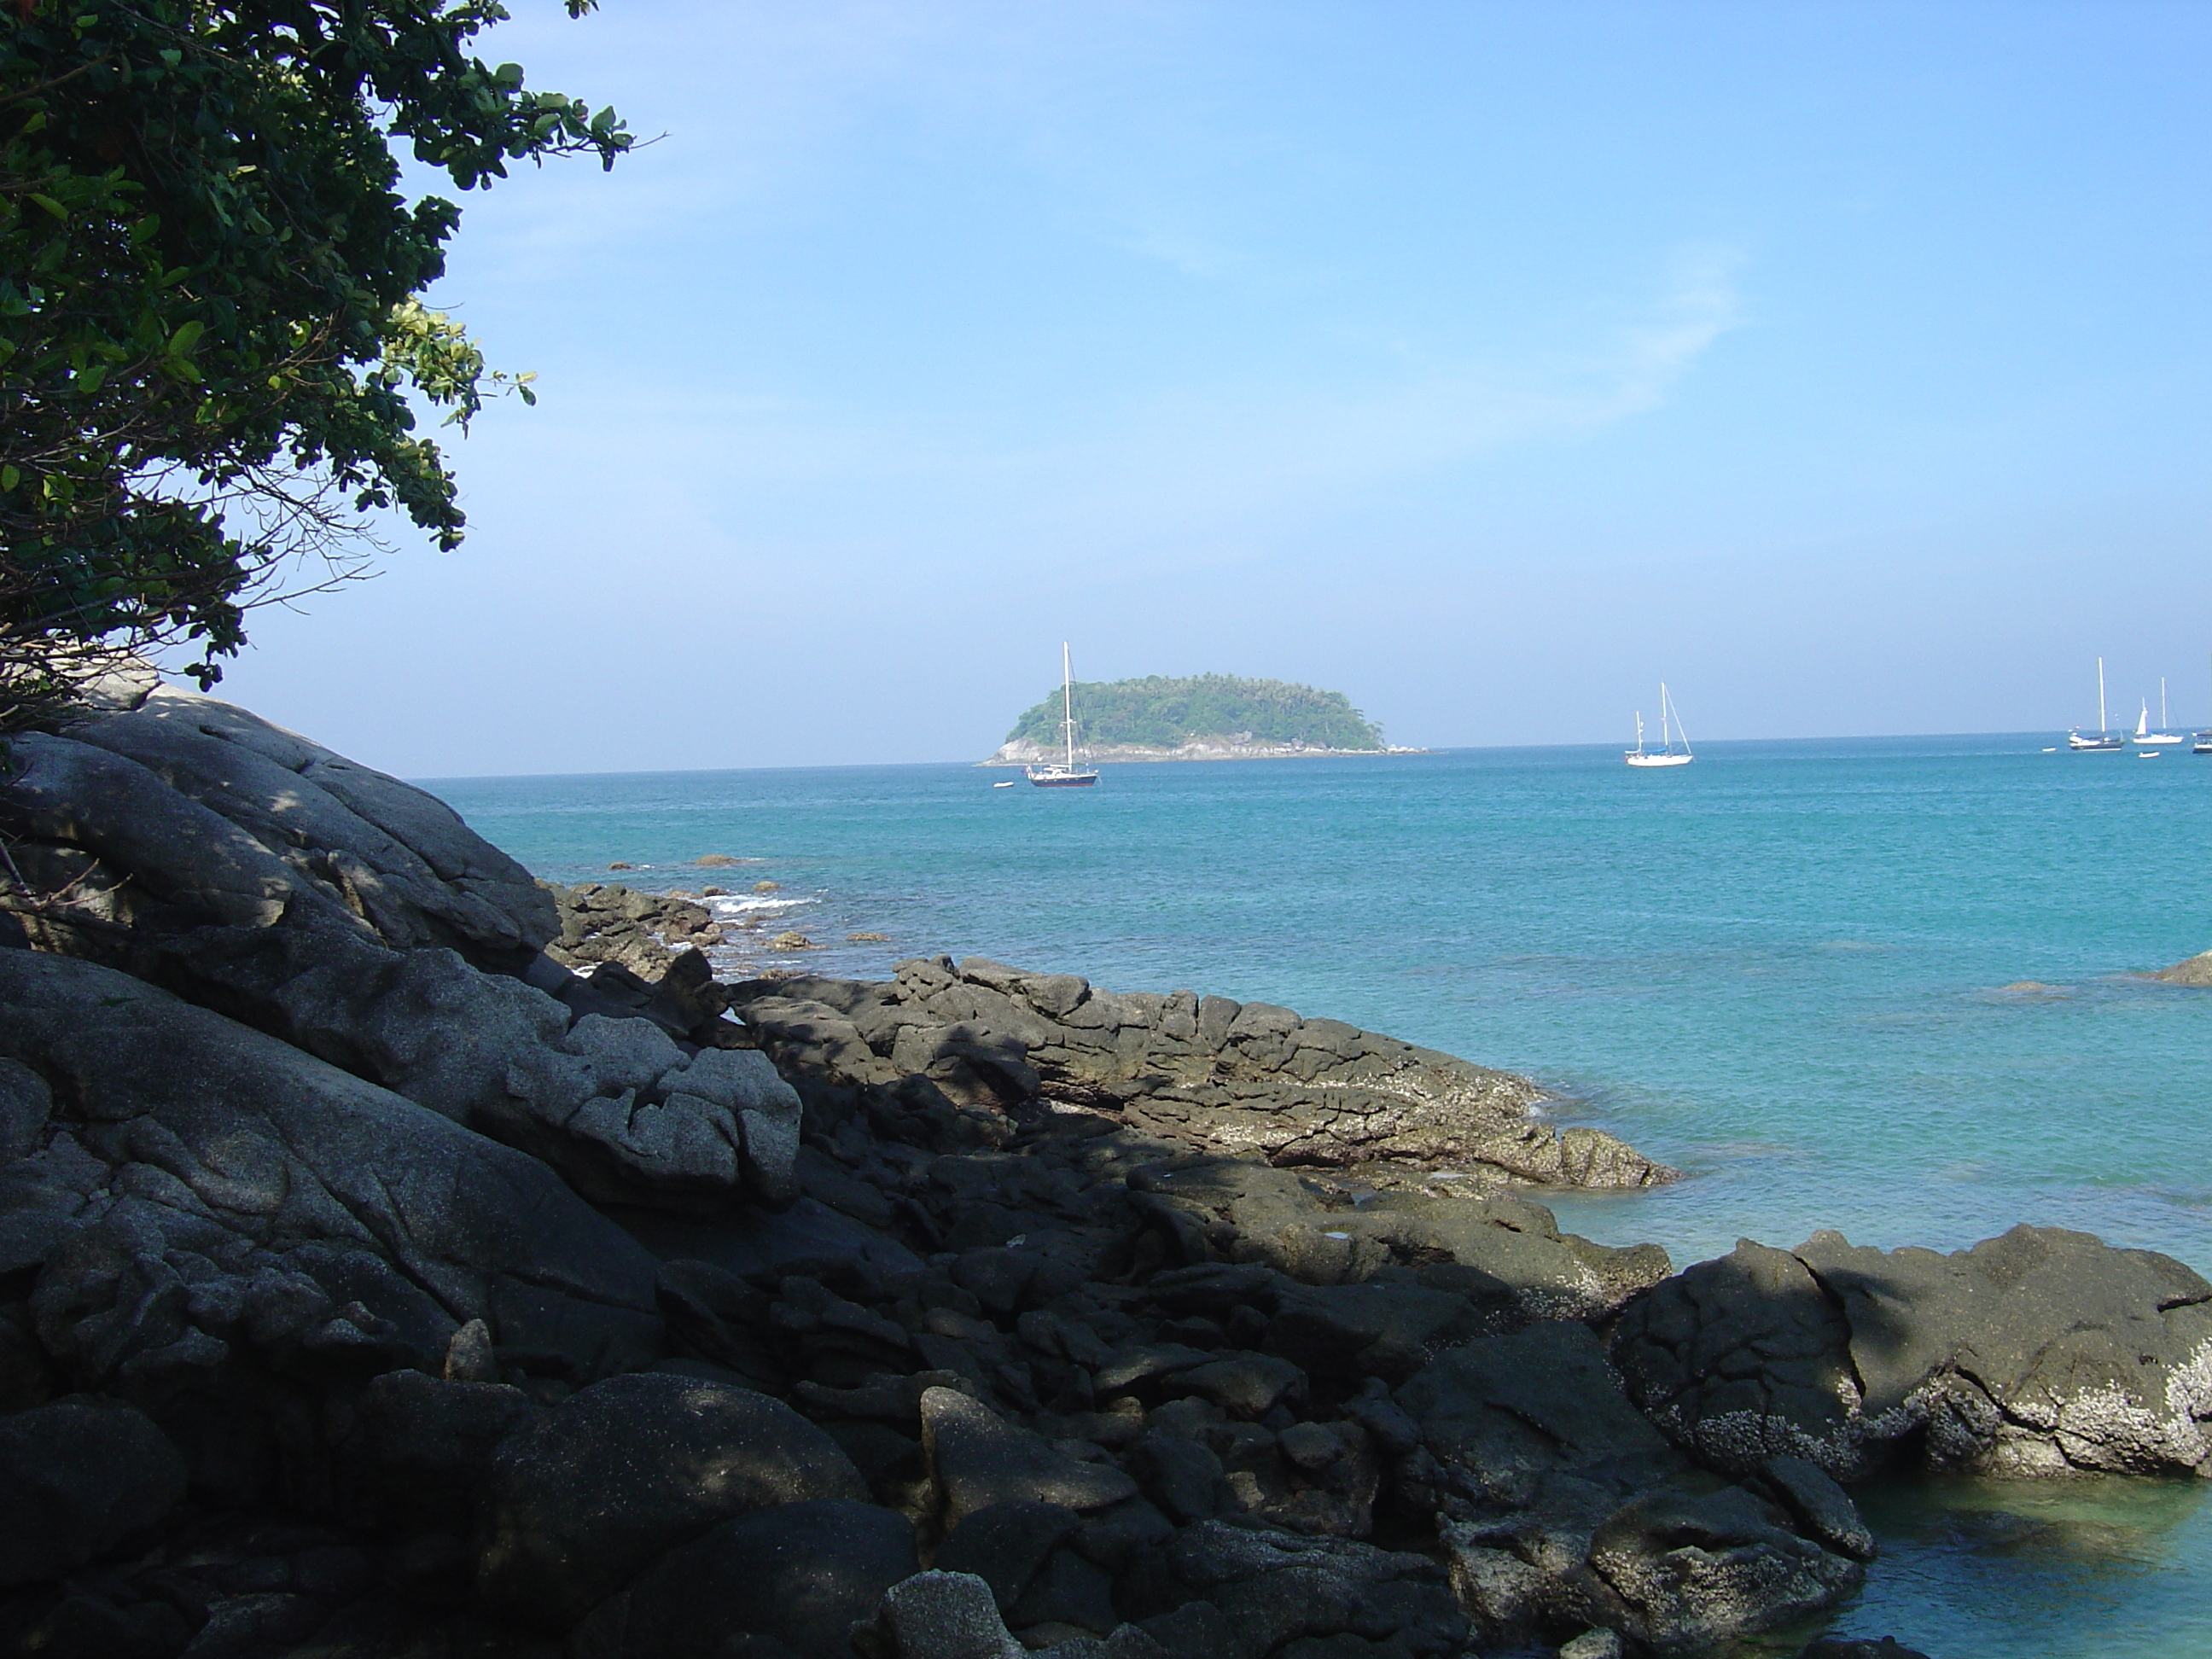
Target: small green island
pixel 1194 717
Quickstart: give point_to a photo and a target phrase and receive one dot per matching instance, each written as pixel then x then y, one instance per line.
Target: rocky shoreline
pixel 401 1259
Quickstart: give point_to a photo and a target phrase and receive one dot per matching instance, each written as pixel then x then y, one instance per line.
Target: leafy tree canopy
pixel 1162 712
pixel 210 327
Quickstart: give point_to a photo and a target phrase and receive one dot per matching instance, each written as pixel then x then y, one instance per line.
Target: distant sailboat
pixel 2166 735
pixel 1670 728
pixel 2202 744
pixel 1065 774
pixel 2106 741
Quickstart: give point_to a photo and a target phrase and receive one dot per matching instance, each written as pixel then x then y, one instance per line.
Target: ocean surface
pixel 1888 986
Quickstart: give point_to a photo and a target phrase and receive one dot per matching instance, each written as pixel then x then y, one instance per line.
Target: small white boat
pixel 2166 735
pixel 1670 728
pixel 1064 775
pixel 2149 754
pixel 2105 742
pixel 1008 784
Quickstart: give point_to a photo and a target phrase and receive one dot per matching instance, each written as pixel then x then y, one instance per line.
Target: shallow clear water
pixel 1886 986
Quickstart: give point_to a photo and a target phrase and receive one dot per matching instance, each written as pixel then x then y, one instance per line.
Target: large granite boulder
pixel 282 821
pixel 2043 1352
pixel 209 1195
pixel 198 847
pixel 1243 1080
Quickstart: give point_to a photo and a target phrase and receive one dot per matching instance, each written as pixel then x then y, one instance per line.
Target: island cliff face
pixel 372 1284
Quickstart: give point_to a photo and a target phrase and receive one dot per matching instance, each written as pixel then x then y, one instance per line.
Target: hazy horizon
pixel 1842 365
pixel 977 762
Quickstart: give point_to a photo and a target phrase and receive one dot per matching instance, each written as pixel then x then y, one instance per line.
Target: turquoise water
pixel 1887 986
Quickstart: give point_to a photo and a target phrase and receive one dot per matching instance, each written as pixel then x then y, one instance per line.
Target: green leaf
pixel 186 337
pixel 51 206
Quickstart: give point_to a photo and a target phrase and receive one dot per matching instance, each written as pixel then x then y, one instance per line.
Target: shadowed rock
pixel 630 1469
pixel 1243 1080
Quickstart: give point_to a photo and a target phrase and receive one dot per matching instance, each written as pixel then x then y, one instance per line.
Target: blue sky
pixel 1844 364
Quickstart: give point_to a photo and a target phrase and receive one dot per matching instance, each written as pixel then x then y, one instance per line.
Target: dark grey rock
pixel 800 1574
pixel 1516 1264
pixel 1005 1544
pixel 629 1468
pixel 1585 1515
pixel 421 1447
pixel 254 1195
pixel 26 1103
pixel 1743 1359
pixel 1250 1081
pixel 1822 1507
pixel 76 1479
pixel 1246 1385
pixel 978 1459
pixel 2041 1352
pixel 1506 1408
pixel 1274 1587
pixel 1067 1591
pixel 1182 1476
pixel 946 1615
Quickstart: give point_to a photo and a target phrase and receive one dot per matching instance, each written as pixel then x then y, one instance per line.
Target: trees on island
pixel 212 340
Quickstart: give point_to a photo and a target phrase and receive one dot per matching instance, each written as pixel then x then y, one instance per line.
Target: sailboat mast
pixel 2163 720
pixel 1666 738
pixel 1068 704
pixel 2103 725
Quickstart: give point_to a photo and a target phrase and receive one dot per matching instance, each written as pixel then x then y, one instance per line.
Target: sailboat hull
pixel 1657 760
pixel 1059 779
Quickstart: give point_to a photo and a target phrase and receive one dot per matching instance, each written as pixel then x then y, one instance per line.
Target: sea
pixel 1895 987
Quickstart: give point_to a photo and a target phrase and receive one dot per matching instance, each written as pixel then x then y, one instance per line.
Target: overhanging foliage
pixel 208 327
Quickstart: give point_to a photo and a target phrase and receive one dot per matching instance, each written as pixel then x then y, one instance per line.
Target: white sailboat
pixel 2201 744
pixel 2165 734
pixel 2106 741
pixel 1670 728
pixel 1064 775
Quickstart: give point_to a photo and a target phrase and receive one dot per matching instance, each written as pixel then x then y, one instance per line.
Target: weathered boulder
pixel 2043 1352
pixel 198 847
pixel 397 858
pixel 641 932
pixel 232 1194
pixel 76 1479
pixel 1241 1081
pixel 629 1468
